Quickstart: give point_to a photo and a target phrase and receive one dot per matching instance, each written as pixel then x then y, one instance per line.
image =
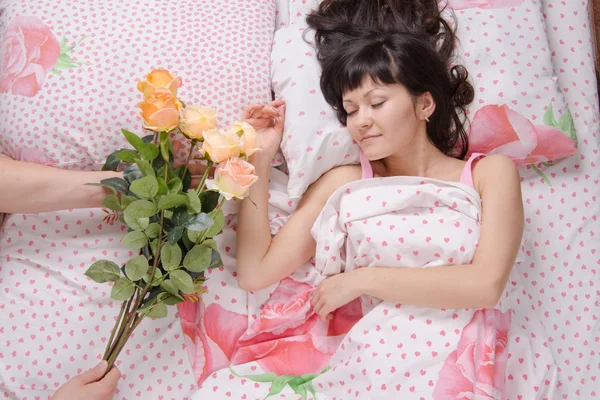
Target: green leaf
pixel 135 240
pixel 62 64
pixel 146 187
pixel 566 124
pixel 103 271
pixel 132 173
pixel 183 281
pixel 215 260
pixel 66 59
pixel 210 243
pixel 148 139
pixel 172 200
pixel 194 235
pixel 148 151
pixel 279 384
pixel 170 255
pixel 198 258
pixel 133 139
pixel 154 247
pixel 152 230
pixel 129 156
pixel 63 41
pixel 217 226
pixel 157 277
pixel 540 173
pixel 266 377
pixel 162 187
pixel 127 200
pixel 549 116
pixel 186 179
pixel 136 268
pixel 180 216
pixel 209 200
pixel 298 386
pixel 170 299
pixel 175 185
pixel 169 286
pixel 122 289
pixel 119 184
pixel 145 168
pixel 112 162
pixel 194 201
pixel 158 311
pixel 140 209
pixel 164 146
pixel 175 234
pixel 200 222
pixel 137 224
pixel 112 202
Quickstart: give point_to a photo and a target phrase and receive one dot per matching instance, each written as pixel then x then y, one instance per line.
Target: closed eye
pixel 378 104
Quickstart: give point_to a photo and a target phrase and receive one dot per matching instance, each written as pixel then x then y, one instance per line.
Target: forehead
pixel 367 85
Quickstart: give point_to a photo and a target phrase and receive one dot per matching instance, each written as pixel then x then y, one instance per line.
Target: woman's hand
pixel 334 292
pixel 268 122
pixel 90 385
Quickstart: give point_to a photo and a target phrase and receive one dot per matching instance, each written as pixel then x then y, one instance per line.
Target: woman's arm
pixel 263 260
pixel 476 285
pixel 32 188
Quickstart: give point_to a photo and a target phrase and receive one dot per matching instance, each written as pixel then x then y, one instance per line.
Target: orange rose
pixel 221 146
pixel 197 120
pixel 161 111
pixel 159 79
pixel 233 178
pixel 249 137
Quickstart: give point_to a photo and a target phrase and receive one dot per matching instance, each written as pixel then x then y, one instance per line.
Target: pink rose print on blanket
pixel 500 130
pixel 290 342
pixel 476 369
pixel 211 334
pixel 486 4
pixel 30 50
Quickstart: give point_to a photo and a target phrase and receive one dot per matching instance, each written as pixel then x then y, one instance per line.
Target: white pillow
pixel 505 50
pixel 313 141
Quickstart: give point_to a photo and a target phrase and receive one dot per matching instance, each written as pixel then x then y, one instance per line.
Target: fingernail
pixel 103 364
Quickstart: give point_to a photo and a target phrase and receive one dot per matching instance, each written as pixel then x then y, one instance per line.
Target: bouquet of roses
pixel 171 223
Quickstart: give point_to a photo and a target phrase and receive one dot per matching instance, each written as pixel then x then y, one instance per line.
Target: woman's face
pixel 382 119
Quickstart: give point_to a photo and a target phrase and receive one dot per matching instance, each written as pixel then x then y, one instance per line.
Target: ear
pixel 425 105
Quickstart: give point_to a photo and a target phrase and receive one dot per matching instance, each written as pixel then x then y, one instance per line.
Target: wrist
pixel 361 280
pixel 260 160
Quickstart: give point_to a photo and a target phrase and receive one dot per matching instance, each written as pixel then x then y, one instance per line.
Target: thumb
pixel 94 374
pixel 280 121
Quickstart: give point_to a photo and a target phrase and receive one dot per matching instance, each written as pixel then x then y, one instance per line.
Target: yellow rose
pixel 161 111
pixel 249 137
pixel 197 120
pixel 221 146
pixel 159 79
pixel 233 178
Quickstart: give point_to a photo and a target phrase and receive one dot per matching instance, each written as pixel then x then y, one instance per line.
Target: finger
pixel 111 379
pixel 94 374
pixel 280 120
pixel 277 103
pixel 251 109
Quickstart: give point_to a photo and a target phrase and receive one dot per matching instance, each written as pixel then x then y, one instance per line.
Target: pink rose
pixel 210 335
pixel 500 130
pixel 30 52
pixel 485 4
pixel 289 338
pixel 476 369
pixel 197 120
pixel 221 146
pixel 233 178
pixel 249 137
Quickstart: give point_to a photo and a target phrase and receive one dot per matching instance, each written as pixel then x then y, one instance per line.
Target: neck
pixel 420 159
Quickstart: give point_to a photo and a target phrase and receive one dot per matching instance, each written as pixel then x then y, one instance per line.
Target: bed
pixel 54 321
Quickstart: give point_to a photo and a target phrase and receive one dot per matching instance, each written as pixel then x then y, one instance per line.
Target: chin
pixel 373 153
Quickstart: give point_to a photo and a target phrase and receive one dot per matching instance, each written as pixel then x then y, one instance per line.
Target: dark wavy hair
pixel 416 56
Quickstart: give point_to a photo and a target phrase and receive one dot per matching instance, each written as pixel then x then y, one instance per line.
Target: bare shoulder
pixel 495 170
pixel 331 181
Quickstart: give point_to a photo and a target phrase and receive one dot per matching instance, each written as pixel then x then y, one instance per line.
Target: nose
pixel 363 118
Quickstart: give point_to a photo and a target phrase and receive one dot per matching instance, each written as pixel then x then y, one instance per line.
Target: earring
pixel 427 119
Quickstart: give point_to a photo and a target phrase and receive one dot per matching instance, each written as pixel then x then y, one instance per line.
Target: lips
pixel 369 136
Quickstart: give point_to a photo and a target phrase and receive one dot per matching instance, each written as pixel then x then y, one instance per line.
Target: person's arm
pixel 476 285
pixel 32 188
pixel 90 385
pixel 263 260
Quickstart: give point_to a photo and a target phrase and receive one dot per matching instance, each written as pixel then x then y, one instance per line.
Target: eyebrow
pixel 364 95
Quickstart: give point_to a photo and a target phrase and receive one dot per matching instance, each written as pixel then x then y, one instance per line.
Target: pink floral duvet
pixel 370 349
